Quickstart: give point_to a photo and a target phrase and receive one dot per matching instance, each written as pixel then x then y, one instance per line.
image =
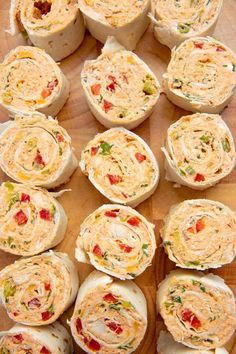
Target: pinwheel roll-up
pixel 125 20
pixel 199 310
pixel 57 26
pixel 51 339
pixel 117 240
pixel 36 150
pixel 31 220
pixel 119 87
pixel 200 234
pixel 121 166
pixel 37 290
pixel 176 21
pixel 201 76
pixel 167 345
pixel 110 316
pixel 199 151
pixel 31 80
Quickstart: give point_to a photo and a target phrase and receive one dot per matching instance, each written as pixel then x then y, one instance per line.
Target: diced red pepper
pixel 34 303
pixel 94 150
pixel 114 179
pixel 112 78
pixel 45 214
pixel 140 157
pixel 79 326
pixel 46 92
pixel 125 248
pixel 39 159
pixel 198 45
pixel 111 213
pixel 96 89
pixel 60 137
pixel 18 338
pixel 43 6
pixel 25 197
pixel 115 327
pixel 107 106
pixel 191 230
pixel 44 350
pixel 110 298
pixel 125 195
pixel 97 251
pixel 133 221
pixel 199 178
pixel 94 345
pixel 111 87
pixel 220 49
pixel 21 218
pixel 200 225
pixel 47 286
pixel 188 316
pixel 195 323
pixel 15 314
pixel 46 315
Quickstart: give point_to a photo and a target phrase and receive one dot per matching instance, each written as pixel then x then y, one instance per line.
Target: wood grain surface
pixel 82 126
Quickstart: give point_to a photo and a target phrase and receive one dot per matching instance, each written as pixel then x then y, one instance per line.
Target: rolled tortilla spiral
pixel 121 166
pixel 36 150
pixel 116 240
pixel 167 345
pixel 175 22
pixel 200 234
pixel 125 20
pixel 31 80
pixel 120 88
pixel 37 290
pixel 31 220
pixel 199 310
pixel 57 26
pixel 199 151
pixel 114 321
pixel 51 339
pixel 201 76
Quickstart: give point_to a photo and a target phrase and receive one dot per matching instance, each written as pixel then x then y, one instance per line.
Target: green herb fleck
pixel 190 170
pixel 177 299
pixel 9 186
pixel 205 139
pixel 145 249
pixel 184 27
pixel 226 145
pixel 166 243
pixel 182 173
pixel 9 289
pixel 149 87
pixel 106 148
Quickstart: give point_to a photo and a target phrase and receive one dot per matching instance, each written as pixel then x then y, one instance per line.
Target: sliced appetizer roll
pixel 175 21
pixel 31 220
pixel 117 240
pixel 119 87
pixel 57 26
pixel 200 234
pixel 110 316
pixel 125 20
pixel 199 151
pixel 51 339
pixel 37 290
pixel 167 345
pixel 121 166
pixel 36 150
pixel 31 80
pixel 201 75
pixel 199 310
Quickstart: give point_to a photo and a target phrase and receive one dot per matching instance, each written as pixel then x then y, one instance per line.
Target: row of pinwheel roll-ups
pixel 121 90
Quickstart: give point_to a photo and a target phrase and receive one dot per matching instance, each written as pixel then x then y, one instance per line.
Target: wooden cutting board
pixel 82 126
